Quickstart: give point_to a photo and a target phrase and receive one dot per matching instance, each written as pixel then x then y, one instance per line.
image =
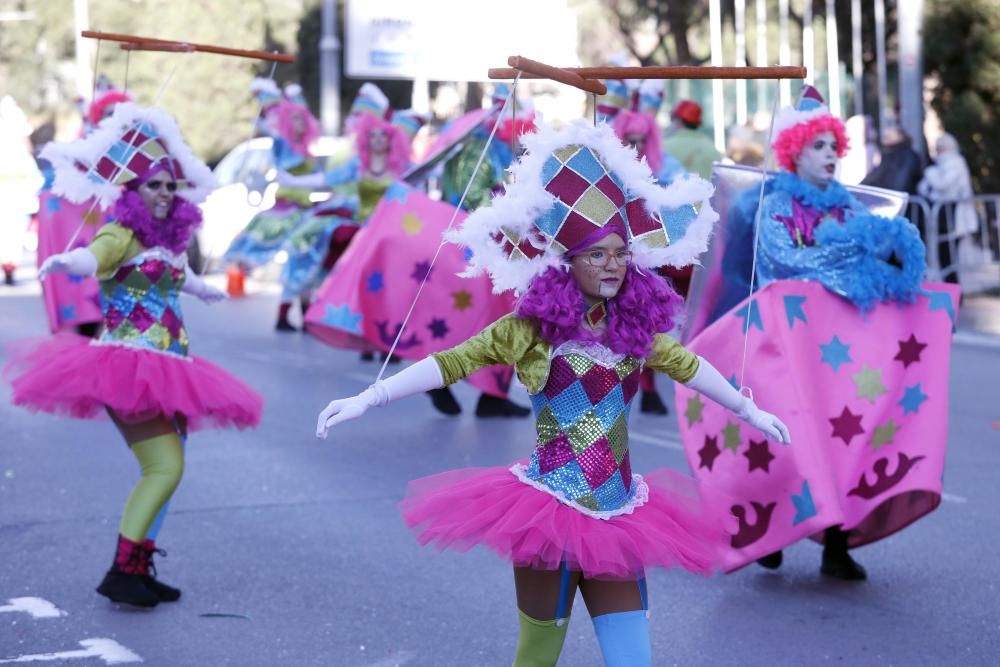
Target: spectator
pixel 901 166
pixel 692 148
pixel 948 180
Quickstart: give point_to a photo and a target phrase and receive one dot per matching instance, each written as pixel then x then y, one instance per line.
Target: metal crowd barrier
pixel 969 256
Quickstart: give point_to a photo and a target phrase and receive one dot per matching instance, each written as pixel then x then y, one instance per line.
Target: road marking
pixel 667 440
pixel 950 498
pixel 37 607
pixel 397 660
pixel 108 650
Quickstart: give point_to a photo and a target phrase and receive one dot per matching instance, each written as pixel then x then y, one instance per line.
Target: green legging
pixel 162 461
pixel 539 642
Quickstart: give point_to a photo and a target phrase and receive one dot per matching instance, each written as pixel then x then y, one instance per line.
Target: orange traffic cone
pixel 234 282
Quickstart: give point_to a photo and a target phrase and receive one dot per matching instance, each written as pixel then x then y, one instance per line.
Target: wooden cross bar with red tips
pixel 137 43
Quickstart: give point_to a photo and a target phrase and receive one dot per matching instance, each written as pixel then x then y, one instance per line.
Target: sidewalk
pixel 980 313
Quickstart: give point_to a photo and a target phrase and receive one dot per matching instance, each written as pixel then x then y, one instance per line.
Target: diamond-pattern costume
pixel 139 366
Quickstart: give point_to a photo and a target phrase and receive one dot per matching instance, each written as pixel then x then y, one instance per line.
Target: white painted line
pixel 950 498
pixel 975 339
pixel 668 440
pixel 397 660
pixel 108 650
pixel 37 607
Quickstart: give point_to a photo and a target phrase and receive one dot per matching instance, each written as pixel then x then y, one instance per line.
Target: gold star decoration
pixel 731 437
pixel 693 411
pixel 462 300
pixel 869 383
pixel 884 435
pixel 412 225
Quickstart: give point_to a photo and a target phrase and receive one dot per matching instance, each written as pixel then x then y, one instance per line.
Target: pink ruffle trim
pixel 66 375
pixel 460 509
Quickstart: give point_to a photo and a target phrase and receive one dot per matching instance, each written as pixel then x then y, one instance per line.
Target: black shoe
pixel 491 406
pixel 164 592
pixel 128 588
pixel 652 404
pixel 367 356
pixel 771 561
pixel 392 360
pixel 444 401
pixel 839 565
pixel 284 325
pixel 8 277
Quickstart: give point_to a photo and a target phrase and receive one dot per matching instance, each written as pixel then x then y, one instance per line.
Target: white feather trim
pixel 526 199
pixel 76 186
pixel 789 117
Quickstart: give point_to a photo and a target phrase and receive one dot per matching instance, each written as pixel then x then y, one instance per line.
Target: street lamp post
pixel 329 72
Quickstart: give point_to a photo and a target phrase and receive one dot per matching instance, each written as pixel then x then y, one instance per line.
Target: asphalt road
pixel 291 551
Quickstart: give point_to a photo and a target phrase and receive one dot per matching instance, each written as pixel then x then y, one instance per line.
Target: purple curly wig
pixel 645 306
pixel 174 233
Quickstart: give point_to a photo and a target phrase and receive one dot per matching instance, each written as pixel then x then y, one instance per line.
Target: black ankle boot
pixel 652 404
pixel 837 562
pixel 491 406
pixel 771 561
pixel 124 581
pixel 163 591
pixel 367 356
pixel 444 401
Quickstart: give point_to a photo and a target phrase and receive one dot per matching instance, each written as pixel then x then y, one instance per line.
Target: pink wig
pixel 645 306
pixel 637 122
pixel 790 142
pixel 399 145
pixel 282 115
pixel 96 112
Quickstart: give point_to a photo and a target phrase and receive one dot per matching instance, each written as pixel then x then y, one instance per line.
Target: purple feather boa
pixel 174 233
pixel 645 306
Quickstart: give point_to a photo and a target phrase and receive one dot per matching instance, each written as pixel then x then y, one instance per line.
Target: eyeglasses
pixel 155 185
pixel 601 258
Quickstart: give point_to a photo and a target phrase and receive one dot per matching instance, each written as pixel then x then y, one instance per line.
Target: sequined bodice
pixel 140 303
pixel 581 417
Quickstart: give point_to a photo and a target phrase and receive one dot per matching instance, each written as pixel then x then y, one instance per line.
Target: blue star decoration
pixel 342 318
pixel 375 282
pixel 805 508
pixel 53 204
pixel 421 271
pixel 67 312
pixel 913 397
pixel 439 328
pixel 76 280
pixel 941 301
pixel 732 381
pixel 750 315
pixel 397 192
pixel 467 254
pixel 835 353
pixel 793 310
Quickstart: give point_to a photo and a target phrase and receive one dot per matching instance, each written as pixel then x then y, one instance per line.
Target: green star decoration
pixel 869 383
pixel 731 437
pixel 693 411
pixel 884 435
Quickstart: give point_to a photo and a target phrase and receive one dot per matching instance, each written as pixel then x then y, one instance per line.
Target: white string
pixel 756 242
pixel 118 170
pixel 458 207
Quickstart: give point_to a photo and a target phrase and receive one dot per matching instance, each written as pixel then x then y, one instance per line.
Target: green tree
pixel 962 53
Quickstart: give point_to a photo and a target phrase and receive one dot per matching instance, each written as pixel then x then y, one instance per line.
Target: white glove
pixel 314 181
pixel 416 379
pixel 709 382
pixel 195 285
pixel 79 262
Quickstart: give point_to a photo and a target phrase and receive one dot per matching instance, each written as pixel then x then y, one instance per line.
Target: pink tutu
pixel 66 375
pixel 528 527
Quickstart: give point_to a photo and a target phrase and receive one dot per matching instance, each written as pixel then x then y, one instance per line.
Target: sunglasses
pixel 156 185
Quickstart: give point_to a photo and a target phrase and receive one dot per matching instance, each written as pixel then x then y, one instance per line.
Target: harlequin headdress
pixel 794 127
pixel 569 184
pixel 370 100
pixel 266 92
pixel 126 146
pixel 407 121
